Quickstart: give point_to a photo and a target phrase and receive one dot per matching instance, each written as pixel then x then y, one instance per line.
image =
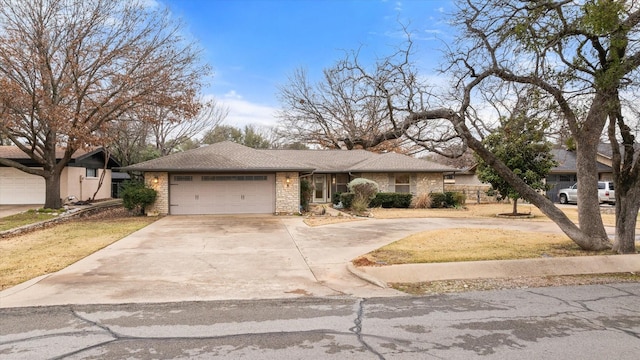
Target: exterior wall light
pixel 288 180
pixel 155 179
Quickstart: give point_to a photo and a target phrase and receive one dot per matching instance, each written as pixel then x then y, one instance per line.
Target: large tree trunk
pixel 52 186
pixel 589 217
pixel 515 206
pixel 627 207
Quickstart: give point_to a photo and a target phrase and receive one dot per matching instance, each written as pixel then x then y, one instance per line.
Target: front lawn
pixel 484 211
pixel 48 250
pixel 463 244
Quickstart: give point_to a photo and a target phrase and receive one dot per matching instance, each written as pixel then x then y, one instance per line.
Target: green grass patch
pixel 25 218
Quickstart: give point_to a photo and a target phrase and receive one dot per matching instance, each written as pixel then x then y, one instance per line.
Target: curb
pixel 364 276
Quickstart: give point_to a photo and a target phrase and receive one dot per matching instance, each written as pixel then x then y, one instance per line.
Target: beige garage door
pixel 221 194
pixel 17 187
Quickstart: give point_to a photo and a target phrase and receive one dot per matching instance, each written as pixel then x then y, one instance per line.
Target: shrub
pixel 305 194
pixel 422 201
pixel 364 191
pixel 335 199
pixel 347 199
pixel 391 200
pixel 136 196
pixel 447 199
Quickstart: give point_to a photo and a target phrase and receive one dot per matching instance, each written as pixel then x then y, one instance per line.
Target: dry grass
pixel 454 286
pixel 482 211
pixel 45 251
pixel 450 245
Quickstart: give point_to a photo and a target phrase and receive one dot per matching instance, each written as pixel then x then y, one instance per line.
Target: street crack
pixel 357 329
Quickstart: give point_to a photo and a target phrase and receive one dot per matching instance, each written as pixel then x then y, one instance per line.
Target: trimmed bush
pixel 391 200
pixel 447 200
pixel 347 199
pixel 305 194
pixel 136 196
pixel 335 199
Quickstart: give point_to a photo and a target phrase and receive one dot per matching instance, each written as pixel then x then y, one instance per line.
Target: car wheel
pixel 563 199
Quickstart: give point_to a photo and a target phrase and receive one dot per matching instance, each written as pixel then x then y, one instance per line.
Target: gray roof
pixel 325 161
pixel 222 156
pixel 567 162
pixel 229 156
pixel 394 162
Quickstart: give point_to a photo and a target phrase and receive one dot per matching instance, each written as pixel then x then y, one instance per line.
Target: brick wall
pixel 287 194
pixel 161 205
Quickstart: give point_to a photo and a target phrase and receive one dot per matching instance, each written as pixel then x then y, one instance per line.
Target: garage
pixel 194 194
pixel 18 187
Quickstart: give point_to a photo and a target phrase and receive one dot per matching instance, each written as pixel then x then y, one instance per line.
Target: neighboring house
pixel 561 176
pixel 79 178
pixel 467 182
pixel 565 173
pixel 228 178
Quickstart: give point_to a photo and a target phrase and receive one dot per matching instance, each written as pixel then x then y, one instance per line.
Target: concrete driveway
pixel 192 258
pixel 8 210
pixel 180 258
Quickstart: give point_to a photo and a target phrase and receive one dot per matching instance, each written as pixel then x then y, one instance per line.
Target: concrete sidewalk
pixel 580 265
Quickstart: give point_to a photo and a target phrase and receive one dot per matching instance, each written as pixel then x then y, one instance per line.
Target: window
pixel 91 173
pixel 234 178
pixel 341 182
pixel 182 178
pixel 403 183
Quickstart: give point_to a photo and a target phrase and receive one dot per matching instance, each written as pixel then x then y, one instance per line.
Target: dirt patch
pixel 327 220
pixel 454 286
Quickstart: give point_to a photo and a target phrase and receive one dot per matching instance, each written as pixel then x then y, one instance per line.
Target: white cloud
pixel 243 112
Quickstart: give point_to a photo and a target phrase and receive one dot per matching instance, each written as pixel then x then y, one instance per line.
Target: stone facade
pixel 287 193
pixel 161 205
pixel 421 183
pixel 427 183
pixel 382 179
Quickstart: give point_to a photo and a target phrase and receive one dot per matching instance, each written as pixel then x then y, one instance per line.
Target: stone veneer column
pixel 287 194
pixel 161 205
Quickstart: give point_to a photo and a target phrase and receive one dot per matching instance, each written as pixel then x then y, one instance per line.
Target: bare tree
pixel 70 68
pixel 172 130
pixel 353 102
pixel 577 56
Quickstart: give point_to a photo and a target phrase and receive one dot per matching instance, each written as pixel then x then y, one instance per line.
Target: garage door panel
pixel 222 194
pixel 18 187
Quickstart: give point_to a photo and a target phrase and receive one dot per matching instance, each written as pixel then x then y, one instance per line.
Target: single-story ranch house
pixel 229 178
pixel 79 178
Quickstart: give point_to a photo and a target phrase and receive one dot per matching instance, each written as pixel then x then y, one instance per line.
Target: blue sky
pixel 254 45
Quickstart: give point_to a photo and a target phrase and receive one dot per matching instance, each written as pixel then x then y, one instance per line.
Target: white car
pixel 606 193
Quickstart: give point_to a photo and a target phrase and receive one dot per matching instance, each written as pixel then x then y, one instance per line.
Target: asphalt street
pixel 583 322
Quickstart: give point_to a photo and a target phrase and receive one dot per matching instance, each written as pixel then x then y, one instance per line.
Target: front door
pixel 320 188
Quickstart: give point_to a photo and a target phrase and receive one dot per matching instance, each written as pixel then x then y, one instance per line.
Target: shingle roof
pixel 223 156
pixel 567 162
pixel 394 162
pixel 14 152
pixel 325 161
pixel 229 156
